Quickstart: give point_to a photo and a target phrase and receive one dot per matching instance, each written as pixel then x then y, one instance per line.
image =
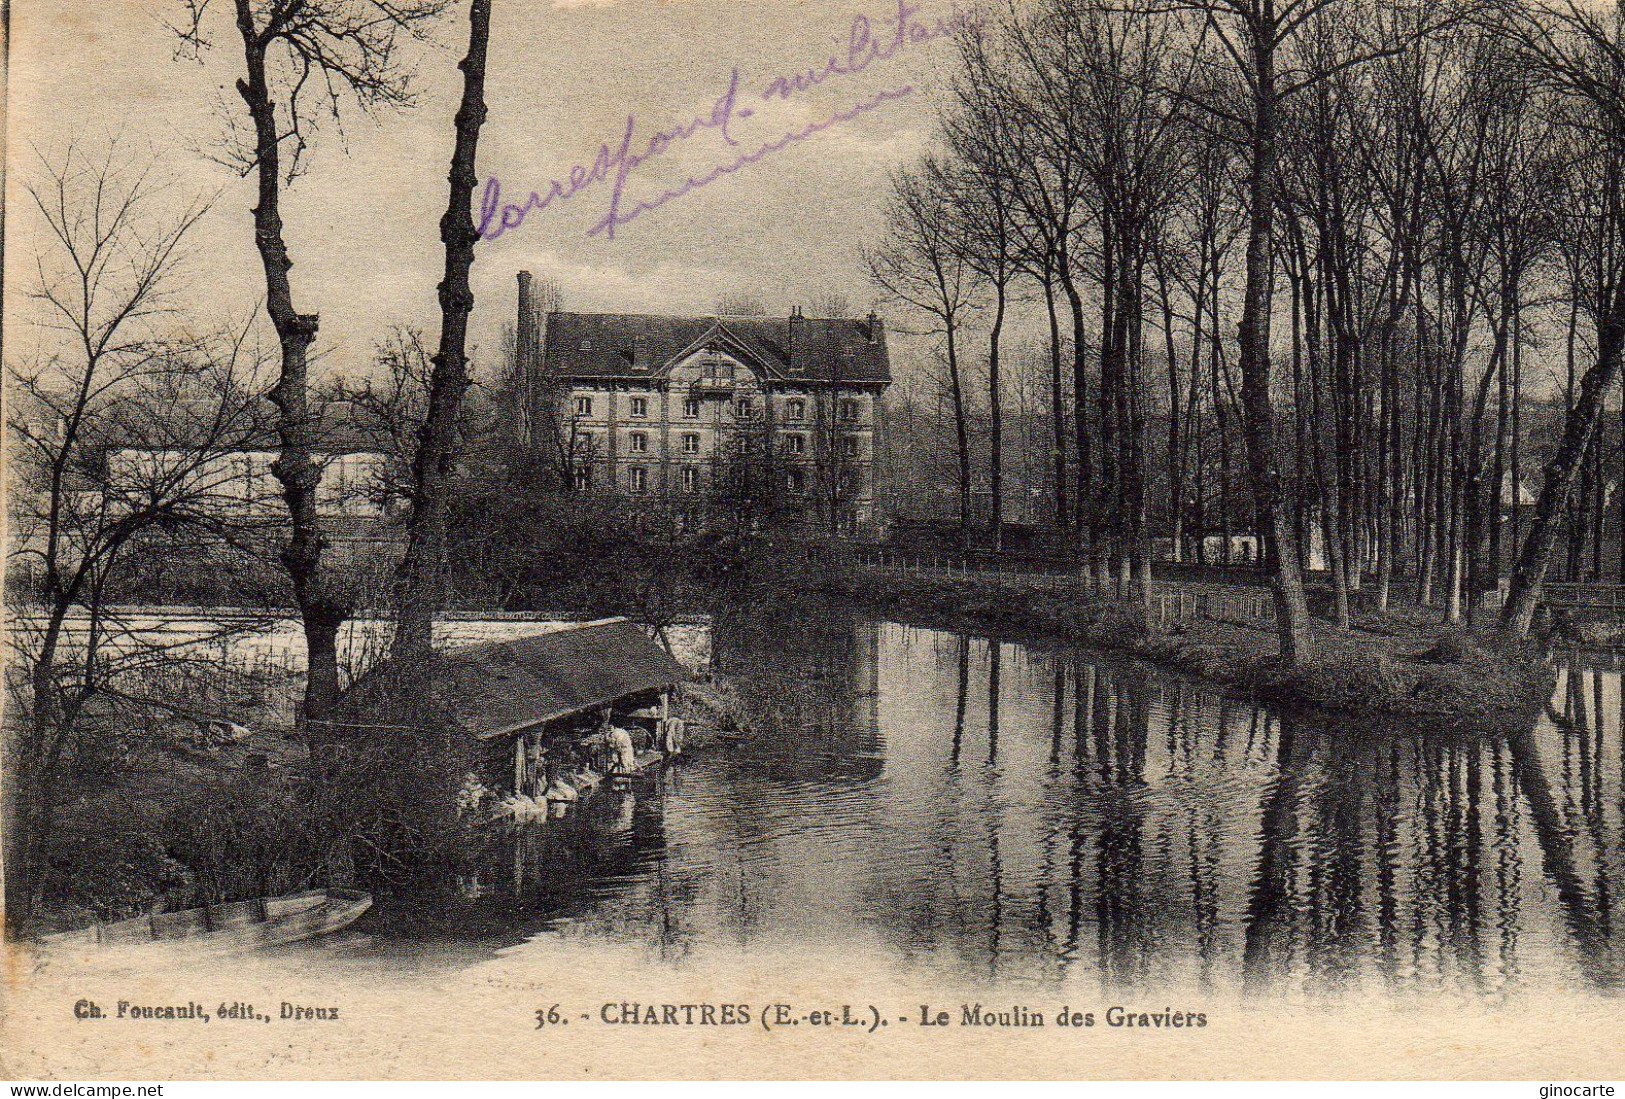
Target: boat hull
pixel 227 928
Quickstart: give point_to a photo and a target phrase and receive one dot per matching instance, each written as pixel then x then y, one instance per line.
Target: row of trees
pixel 1434 191
pixel 131 366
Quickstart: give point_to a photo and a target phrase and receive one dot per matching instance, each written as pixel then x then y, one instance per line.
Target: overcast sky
pixel 563 79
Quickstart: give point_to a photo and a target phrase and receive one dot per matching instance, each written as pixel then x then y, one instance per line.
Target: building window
pixel 691 479
pixel 691 408
pixel 640 406
pixel 583 478
pixel 583 406
pixel 849 409
pixel 795 444
pixel 586 345
pixel 637 478
pixel 794 482
pixel 849 446
pixel 795 409
pixel 640 443
pixel 691 444
pixel 743 409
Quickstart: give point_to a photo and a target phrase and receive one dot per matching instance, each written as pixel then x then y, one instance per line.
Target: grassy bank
pixel 1406 664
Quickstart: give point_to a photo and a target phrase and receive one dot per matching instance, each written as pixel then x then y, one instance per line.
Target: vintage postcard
pixel 624 539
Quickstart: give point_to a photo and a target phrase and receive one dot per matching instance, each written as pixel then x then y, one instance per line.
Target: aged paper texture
pixel 593 539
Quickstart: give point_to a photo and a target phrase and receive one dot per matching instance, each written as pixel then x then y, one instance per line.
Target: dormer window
pixel 586 345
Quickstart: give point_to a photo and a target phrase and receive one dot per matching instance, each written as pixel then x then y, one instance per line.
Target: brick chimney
pixel 875 324
pixel 795 322
pixel 527 321
pixel 526 357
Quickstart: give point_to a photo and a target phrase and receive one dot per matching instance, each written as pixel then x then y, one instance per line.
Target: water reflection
pixel 991 810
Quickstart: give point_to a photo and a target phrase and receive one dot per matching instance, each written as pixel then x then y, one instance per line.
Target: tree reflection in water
pixel 992 809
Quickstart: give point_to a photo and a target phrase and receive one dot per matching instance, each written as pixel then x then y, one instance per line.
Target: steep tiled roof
pixel 633 345
pixel 501 687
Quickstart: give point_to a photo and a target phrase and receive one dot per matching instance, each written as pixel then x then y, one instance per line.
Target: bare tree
pixel 741 305
pixel 124 434
pixel 417 594
pixel 303 60
pixel 830 303
pixel 1136 80
pixel 1580 53
pixel 920 265
pixel 1043 92
pixel 390 405
pixel 1262 44
pixel 985 228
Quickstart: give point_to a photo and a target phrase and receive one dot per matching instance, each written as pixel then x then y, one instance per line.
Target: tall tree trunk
pixel 1599 502
pixel 1063 516
pixel 321 610
pixel 1291 609
pixel 961 436
pixel 1516 465
pixel 1221 419
pixel 1176 449
pixel 418 578
pixel 1578 429
pixel 1138 496
pixel 1300 417
pixel 1107 515
pixel 1193 415
pixel 1475 504
pixel 1080 416
pixel 995 406
pixel 1328 482
pixel 1392 449
pixel 1495 554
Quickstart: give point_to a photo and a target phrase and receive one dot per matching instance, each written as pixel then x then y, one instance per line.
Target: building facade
pixel 692 409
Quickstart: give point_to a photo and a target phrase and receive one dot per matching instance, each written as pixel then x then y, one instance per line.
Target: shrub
pixel 1452 648
pixel 1346 680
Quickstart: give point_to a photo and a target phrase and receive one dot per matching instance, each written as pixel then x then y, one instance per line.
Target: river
pixel 996 813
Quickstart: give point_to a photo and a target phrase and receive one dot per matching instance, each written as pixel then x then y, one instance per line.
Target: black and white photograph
pixel 552 540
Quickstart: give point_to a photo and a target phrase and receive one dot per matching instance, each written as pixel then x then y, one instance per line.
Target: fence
pixel 1167 602
pixel 1243 607
pixel 1172 599
pixel 1599 597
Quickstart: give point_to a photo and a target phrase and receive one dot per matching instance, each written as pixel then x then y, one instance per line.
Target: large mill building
pixel 674 407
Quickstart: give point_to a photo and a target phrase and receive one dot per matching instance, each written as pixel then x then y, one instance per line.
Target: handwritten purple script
pixel 617 161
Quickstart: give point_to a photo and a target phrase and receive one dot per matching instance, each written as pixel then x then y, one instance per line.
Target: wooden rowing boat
pixel 240 925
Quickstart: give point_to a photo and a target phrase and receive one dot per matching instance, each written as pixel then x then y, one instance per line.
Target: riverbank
pixel 1405 664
